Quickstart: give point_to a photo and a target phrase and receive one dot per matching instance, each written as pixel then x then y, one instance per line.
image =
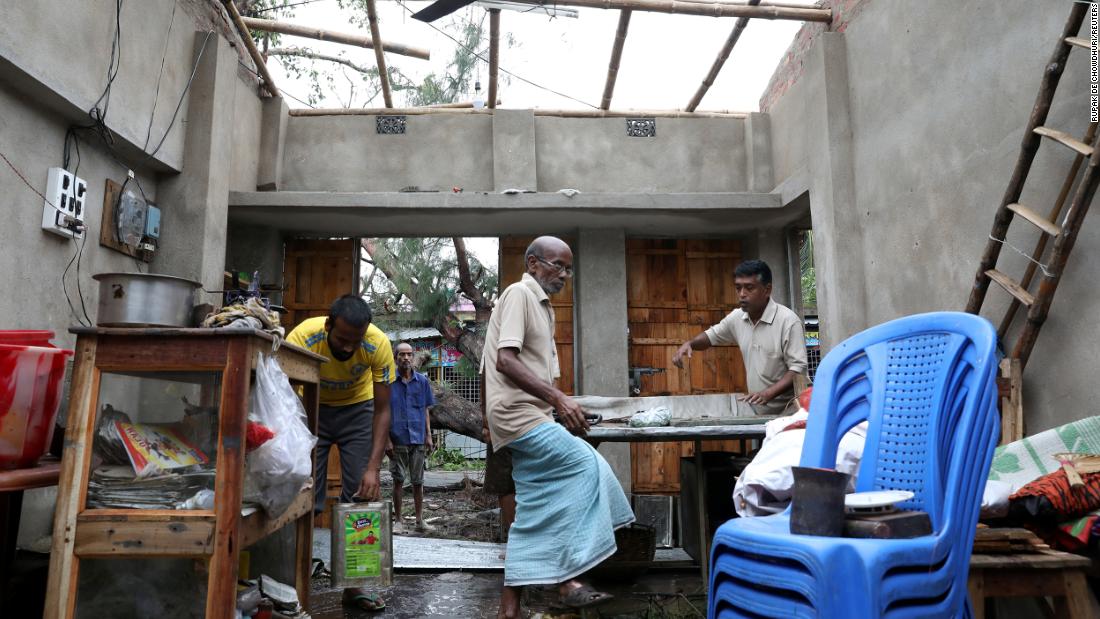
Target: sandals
pixel 585 597
pixel 365 601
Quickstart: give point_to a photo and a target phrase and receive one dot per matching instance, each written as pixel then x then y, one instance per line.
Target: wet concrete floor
pixel 460 595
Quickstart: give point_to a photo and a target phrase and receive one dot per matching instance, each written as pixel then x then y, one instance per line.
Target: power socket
pixel 67 192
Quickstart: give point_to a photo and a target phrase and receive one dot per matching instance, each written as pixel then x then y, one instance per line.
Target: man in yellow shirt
pixel 355 405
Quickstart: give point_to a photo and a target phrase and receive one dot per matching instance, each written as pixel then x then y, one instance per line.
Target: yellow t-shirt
pixel 351 381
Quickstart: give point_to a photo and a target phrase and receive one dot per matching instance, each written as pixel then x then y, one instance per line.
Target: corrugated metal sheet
pixel 418 333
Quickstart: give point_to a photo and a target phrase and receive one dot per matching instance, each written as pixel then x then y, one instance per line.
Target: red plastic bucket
pixel 30 392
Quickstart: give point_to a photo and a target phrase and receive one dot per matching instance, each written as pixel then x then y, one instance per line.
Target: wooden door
pixel 511 270
pixel 316 272
pixel 676 289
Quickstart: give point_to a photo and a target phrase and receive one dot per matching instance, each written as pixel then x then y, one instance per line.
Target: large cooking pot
pixel 145 300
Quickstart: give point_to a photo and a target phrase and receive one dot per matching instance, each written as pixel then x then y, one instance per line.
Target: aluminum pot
pixel 145 300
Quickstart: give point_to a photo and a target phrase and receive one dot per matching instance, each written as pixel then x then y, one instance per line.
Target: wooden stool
pixel 1047 573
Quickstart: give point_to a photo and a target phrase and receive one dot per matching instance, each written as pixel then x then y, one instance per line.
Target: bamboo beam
pixel 419 111
pixel 616 56
pixel 270 25
pixel 379 56
pixel 710 9
pixel 720 61
pixel 456 104
pixel 494 54
pixel 246 36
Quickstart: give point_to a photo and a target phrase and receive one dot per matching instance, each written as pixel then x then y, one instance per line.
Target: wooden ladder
pixel 1064 233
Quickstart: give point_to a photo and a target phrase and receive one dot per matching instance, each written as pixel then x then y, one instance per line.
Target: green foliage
pixel 354 84
pixel 453 460
pixel 806 269
pixel 424 283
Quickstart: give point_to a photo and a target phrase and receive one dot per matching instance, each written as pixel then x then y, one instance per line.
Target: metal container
pixel 656 511
pixel 145 300
pixel 362 545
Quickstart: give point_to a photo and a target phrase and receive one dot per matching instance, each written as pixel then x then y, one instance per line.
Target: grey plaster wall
pixel 345 153
pixel 686 155
pixel 53 62
pixel 67 46
pixel 931 126
pixel 247 127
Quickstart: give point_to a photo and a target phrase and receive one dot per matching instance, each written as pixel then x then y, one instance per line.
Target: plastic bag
pixel 659 416
pixel 278 469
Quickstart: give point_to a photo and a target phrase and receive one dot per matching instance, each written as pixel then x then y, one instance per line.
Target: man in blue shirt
pixel 410 432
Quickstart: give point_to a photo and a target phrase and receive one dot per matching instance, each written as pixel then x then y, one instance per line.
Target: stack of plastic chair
pixel 926 385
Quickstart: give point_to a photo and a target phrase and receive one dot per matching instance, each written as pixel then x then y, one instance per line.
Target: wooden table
pixel 218 365
pixel 736 428
pixel 1047 573
pixel 12 485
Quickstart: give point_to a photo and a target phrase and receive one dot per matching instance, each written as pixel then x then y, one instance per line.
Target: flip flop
pixel 365 601
pixel 585 597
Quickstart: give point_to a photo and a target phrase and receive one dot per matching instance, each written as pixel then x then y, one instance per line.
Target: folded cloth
pixel 568 505
pixel 251 314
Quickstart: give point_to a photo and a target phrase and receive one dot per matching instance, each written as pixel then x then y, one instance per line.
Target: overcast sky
pixel 664 60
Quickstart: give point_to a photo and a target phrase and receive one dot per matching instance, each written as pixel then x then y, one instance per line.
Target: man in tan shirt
pixel 568 502
pixel 770 336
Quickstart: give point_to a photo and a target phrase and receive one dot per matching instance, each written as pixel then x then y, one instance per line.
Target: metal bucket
pixel 145 300
pixel 817 502
pixel 362 545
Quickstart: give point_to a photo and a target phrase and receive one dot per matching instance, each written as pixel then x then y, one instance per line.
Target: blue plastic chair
pixel 926 385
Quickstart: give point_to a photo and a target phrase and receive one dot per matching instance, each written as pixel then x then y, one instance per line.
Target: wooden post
pixel 494 54
pixel 1010 386
pixel 228 484
pixel 616 56
pixel 347 38
pixel 383 77
pixel 73 482
pixel 709 9
pixel 246 37
pixel 720 61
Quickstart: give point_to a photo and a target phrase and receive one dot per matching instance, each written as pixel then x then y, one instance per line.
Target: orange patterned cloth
pixel 1065 500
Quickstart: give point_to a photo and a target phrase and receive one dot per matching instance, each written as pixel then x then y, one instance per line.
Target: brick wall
pixel 790 67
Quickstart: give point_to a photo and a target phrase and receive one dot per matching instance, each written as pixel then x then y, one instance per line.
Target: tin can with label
pixel 362 545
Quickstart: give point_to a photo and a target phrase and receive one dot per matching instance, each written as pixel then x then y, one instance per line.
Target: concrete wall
pixel 345 153
pixel 54 56
pixel 516 149
pixel 596 154
pixel 904 139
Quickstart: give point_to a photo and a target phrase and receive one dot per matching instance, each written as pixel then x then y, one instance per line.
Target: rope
pixel 1042 267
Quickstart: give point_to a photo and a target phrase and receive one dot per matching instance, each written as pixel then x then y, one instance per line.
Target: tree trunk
pixel 455 413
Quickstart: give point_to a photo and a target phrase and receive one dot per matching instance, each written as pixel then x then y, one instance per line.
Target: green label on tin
pixel 362 545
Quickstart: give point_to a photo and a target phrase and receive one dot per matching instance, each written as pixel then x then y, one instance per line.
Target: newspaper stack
pixel 117 486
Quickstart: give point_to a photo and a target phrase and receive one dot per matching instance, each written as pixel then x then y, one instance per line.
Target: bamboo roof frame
pixel 494 55
pixel 720 61
pixel 246 38
pixel 320 34
pixel 379 53
pixel 616 57
pixel 714 8
pixel 424 111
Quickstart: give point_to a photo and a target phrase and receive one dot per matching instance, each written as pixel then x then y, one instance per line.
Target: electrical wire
pixel 183 95
pixel 79 289
pixel 160 74
pixel 500 68
pixel 256 73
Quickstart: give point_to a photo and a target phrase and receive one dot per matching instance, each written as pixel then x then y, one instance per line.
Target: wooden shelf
pixel 258 525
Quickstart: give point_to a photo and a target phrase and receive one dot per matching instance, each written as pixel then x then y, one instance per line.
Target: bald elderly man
pixel 568 502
